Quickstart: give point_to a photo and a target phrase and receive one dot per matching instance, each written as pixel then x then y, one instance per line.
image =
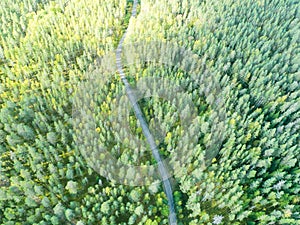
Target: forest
pixel 217 81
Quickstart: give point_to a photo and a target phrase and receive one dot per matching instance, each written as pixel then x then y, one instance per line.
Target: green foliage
pixel 250 48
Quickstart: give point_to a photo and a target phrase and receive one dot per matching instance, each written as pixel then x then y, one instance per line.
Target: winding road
pixel 139 115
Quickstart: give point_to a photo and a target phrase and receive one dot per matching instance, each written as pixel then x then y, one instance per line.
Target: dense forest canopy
pixel 244 138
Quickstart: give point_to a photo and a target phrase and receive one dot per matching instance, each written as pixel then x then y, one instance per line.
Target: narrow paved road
pixel 145 128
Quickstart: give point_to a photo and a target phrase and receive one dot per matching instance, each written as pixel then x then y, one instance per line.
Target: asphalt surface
pixel 139 115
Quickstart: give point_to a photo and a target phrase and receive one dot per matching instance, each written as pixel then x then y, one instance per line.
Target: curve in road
pixel 139 115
